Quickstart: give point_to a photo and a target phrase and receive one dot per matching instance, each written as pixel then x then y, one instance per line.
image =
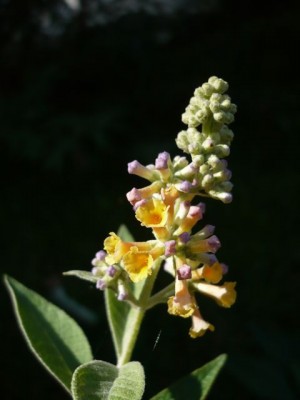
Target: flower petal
pixel 199 325
pixel 182 304
pixel 153 214
pixel 212 274
pixel 225 295
pixel 138 264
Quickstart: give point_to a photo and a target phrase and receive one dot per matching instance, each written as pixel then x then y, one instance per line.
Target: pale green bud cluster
pixel 212 109
pixel 210 102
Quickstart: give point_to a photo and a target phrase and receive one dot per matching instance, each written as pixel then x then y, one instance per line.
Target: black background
pixel 84 93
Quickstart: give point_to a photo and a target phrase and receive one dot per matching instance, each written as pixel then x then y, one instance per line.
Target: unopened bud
pixel 184 272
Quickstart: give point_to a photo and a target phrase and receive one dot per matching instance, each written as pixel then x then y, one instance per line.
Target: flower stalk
pixel 168 206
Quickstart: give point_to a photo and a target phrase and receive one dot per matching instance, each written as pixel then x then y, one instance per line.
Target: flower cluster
pixel 167 206
pixel 213 109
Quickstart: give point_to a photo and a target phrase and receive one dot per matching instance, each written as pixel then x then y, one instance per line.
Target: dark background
pixel 83 92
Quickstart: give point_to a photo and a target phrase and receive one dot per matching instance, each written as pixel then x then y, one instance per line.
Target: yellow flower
pixel 199 325
pixel 182 304
pixel 212 274
pixel 225 295
pixel 113 245
pixel 138 264
pixel 153 214
pixel 116 248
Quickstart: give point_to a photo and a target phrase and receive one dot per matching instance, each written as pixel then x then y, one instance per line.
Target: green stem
pixel 161 296
pixel 135 317
pixel 210 126
pixel 130 336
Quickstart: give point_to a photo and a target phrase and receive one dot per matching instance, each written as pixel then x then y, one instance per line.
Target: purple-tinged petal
pixel 225 268
pixel 133 196
pixel 184 272
pixel 111 271
pixel 95 271
pixel 184 186
pixel 162 160
pixel 136 168
pixel 100 255
pixel 139 203
pixel 184 237
pixel 214 243
pixel 101 284
pixel 170 248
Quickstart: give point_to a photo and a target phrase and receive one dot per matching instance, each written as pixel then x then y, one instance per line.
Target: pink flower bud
pixel 184 272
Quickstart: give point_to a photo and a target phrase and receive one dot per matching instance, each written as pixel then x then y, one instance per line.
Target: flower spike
pixel 168 206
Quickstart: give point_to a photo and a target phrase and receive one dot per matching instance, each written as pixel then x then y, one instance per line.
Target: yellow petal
pixel 138 264
pixel 199 325
pixel 212 274
pixel 153 214
pixel 111 242
pixel 115 248
pixel 225 295
pixel 182 304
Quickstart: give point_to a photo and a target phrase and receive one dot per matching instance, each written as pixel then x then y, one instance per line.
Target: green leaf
pixel 85 275
pixel 196 385
pixel 124 234
pixel 100 380
pixel 54 337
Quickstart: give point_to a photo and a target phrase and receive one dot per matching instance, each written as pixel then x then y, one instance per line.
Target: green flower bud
pixel 208 143
pixel 215 106
pixel 223 117
pixel 212 109
pixel 222 150
pixel 226 104
pixel 198 160
pixel 219 85
pixel 214 161
pixel 222 175
pixel 226 134
pixel 204 169
pixel 179 162
pixel 207 181
pixel 233 108
pixel 223 196
pixel 226 186
pixel 207 89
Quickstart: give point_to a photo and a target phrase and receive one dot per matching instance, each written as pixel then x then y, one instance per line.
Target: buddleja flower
pixel 167 207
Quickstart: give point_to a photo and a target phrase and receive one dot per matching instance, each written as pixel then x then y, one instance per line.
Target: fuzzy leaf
pixel 85 275
pixel 54 337
pixel 196 385
pixel 100 380
pixel 124 234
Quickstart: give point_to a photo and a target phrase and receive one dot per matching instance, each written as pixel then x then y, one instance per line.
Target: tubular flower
pixel 136 168
pixel 212 274
pixel 197 245
pixel 138 264
pixel 194 215
pixel 182 304
pixel 136 195
pixel 153 214
pixel 116 248
pixel 224 295
pixel 199 325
